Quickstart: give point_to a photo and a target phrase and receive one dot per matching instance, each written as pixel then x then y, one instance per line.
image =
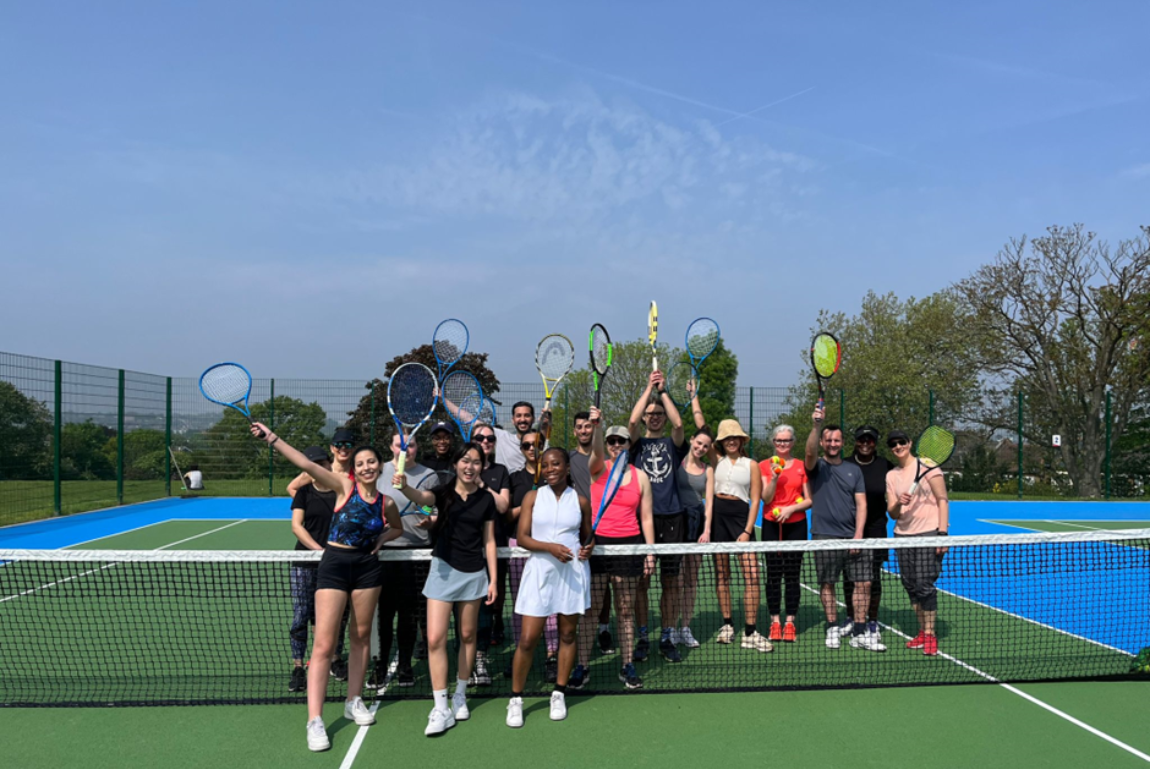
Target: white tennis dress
pixel 550 586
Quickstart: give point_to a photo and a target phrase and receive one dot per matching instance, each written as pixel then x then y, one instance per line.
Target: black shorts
pixel 670 530
pixel 348 570
pixel 856 567
pixel 617 565
pixel 729 520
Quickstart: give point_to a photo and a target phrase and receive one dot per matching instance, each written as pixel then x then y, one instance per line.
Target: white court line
pixel 361 735
pixel 118 533
pixel 1077 525
pixel 1013 690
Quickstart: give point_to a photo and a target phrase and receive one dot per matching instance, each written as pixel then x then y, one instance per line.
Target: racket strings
pixel 554 357
pixel 226 384
pixel 826 354
pixel 600 352
pixel 450 341
pixel 678 379
pixel 935 445
pixel 702 338
pixel 411 393
pixel 462 389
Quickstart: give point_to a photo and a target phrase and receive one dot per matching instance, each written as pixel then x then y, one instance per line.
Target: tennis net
pixel 103 628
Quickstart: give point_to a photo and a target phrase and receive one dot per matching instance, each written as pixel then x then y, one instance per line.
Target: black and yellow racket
pixel 653 334
pixel 602 355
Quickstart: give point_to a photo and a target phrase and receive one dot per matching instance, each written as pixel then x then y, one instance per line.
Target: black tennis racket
pixel 602 355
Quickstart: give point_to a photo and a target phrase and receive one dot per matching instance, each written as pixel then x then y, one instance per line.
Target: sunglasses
pixel 344 445
pixel 897 442
pixel 617 441
pixel 527 445
pixel 485 439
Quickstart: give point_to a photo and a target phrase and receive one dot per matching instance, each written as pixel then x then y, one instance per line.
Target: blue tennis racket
pixel 614 482
pixel 702 339
pixel 462 391
pixel 230 385
pixel 486 413
pixel 410 399
pixel 449 342
pixel 428 482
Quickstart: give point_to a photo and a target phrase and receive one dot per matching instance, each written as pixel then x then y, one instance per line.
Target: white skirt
pixel 550 587
pixel 445 583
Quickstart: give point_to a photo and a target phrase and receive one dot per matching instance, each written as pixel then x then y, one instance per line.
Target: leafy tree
pixel 25 434
pixel 1130 466
pixel 1060 317
pixel 144 453
pixel 234 453
pixel 82 455
pixel 981 470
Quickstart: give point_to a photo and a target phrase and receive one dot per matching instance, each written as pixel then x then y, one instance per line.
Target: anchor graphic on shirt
pixel 657 464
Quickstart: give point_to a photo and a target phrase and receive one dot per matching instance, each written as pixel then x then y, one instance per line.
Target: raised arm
pixel 421 497
pixel 597 462
pixel 696 409
pixel 812 456
pixel 296 457
pixel 635 423
pixel 297 483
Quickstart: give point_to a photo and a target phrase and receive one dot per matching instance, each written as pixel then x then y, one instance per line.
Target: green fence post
pixel 168 439
pixel 120 444
pixel 931 414
pixel 1020 445
pixel 843 409
pixel 751 420
pixel 56 430
pixel 371 426
pixel 1107 461
pixel 566 419
pixel 271 451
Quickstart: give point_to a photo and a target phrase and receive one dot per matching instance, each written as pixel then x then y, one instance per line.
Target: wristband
pixel 273 441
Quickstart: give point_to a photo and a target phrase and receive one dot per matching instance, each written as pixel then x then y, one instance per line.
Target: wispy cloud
pixel 1141 171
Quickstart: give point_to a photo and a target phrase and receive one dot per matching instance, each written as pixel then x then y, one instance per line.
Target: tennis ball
pixel 799 500
pixel 777 464
pixel 776 513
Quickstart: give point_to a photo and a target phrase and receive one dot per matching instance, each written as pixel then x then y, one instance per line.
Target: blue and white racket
pixel 428 482
pixel 702 339
pixel 230 385
pixel 410 399
pixel 461 389
pixel 449 343
pixel 614 482
pixel 486 414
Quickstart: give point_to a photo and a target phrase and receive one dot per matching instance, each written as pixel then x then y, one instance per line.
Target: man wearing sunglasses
pixel 874 469
pixel 839 511
pixel 658 455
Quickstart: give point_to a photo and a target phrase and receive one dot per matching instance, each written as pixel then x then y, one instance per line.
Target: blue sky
pixel 309 188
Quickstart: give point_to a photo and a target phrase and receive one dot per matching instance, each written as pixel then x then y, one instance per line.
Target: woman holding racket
pixel 349 569
pixel 784 520
pixel 553 523
pixel 924 513
pixel 462 574
pixel 734 506
pixel 696 479
pixel 627 520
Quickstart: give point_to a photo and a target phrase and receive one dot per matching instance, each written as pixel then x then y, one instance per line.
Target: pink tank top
pixel 621 518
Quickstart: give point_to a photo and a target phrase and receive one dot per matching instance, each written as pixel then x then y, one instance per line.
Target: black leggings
pixel 784 566
pixel 402 598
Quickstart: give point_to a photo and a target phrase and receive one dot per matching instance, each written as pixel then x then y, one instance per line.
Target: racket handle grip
pixel 821 404
pixel 654 362
pixel 913 488
pixel 596 397
pixel 400 467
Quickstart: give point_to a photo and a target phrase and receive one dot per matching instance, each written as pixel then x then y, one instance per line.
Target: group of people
pixel 466 501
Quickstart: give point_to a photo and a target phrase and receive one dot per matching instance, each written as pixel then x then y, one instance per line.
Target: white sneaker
pixel 459 707
pixel 726 634
pixel 558 706
pixel 686 638
pixel 869 641
pixel 317 736
pixel 439 722
pixel 757 642
pixel 355 710
pixel 833 634
pixel 515 712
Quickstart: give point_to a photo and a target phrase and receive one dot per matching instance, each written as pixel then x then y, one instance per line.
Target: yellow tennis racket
pixel 653 334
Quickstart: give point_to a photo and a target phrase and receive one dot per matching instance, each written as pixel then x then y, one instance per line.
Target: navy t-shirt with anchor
pixel 658 458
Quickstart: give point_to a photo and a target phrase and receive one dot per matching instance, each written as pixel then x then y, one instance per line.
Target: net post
pixel 120 441
pixel 1107 459
pixel 930 415
pixel 1020 444
pixel 168 438
pixel 57 428
pixel 272 425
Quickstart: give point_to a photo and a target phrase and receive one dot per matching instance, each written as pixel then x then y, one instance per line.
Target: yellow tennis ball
pixel 799 500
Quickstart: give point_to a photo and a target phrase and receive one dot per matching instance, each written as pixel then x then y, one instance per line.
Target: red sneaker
pixel 789 633
pixel 930 645
pixel 776 632
pixel 918 642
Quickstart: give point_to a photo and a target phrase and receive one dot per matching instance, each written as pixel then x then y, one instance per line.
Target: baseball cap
pixel 316 454
pixel 865 431
pixel 445 426
pixel 618 432
pixel 343 435
pixel 897 435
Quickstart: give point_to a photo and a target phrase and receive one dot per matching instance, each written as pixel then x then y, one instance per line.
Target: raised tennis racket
pixel 681 382
pixel 933 448
pixel 826 357
pixel 554 358
pixel 653 334
pixel 702 339
pixel 230 385
pixel 602 354
pixel 486 414
pixel 614 482
pixel 411 397
pixel 461 389
pixel 428 482
pixel 449 342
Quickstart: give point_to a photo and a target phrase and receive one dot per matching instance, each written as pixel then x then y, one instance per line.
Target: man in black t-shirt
pixel 874 469
pixel 659 455
pixel 442 439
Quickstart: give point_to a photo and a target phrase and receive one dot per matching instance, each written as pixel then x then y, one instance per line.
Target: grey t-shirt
pixel 833 505
pixel 507 451
pixel 409 513
pixel 581 473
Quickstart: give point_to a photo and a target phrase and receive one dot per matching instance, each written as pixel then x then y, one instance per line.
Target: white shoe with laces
pixel 515 712
pixel 355 710
pixel 833 636
pixel 317 736
pixel 686 638
pixel 757 642
pixel 558 706
pixel 869 641
pixel 459 707
pixel 439 722
pixel 726 634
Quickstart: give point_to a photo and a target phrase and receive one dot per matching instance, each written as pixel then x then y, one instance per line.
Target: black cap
pixel 316 454
pixel 864 431
pixel 343 435
pixel 897 435
pixel 445 426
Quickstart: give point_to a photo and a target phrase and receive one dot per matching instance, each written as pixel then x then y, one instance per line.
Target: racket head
pixel 826 354
pixel 614 482
pixel 653 324
pixel 463 390
pixel 410 398
pixel 602 351
pixel 934 446
pixel 428 482
pixel 702 339
pixel 228 384
pixel 678 378
pixel 554 357
pixel 449 343
pixel 486 413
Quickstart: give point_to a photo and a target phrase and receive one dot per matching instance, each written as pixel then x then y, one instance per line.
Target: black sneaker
pixel 578 678
pixel 642 650
pixel 630 677
pixel 669 651
pixel 405 677
pixel 605 642
pixel 551 670
pixel 298 681
pixel 378 675
pixel 339 670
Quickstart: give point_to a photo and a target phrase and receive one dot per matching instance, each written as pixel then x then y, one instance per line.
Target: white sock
pixel 461 687
pixel 604 628
pixel 440 696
